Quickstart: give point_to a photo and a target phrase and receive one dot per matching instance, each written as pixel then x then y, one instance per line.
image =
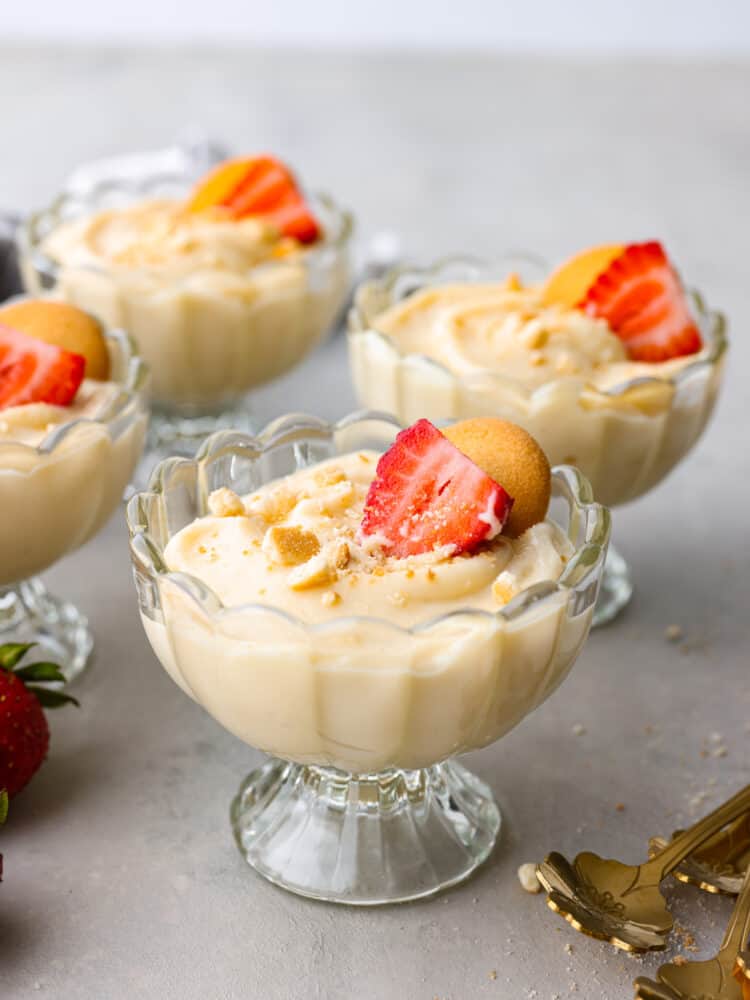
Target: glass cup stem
pixel 615 590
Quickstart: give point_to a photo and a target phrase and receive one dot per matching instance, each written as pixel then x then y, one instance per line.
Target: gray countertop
pixel 121 876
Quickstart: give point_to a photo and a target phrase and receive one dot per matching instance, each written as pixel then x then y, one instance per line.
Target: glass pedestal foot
pixel 29 613
pixel 615 591
pixel 365 840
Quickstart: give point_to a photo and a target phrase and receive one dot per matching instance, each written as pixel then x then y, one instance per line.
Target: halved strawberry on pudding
pixel 426 494
pixel 636 289
pixel 32 371
pixel 433 490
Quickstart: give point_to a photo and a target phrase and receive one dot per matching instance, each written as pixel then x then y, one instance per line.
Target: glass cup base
pixel 615 590
pixel 364 840
pixel 29 613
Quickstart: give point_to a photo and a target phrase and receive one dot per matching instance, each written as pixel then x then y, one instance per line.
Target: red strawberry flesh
pixel 269 189
pixel 32 371
pixel 641 298
pixel 427 494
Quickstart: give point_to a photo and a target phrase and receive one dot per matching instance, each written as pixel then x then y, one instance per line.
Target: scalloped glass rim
pixel 133 386
pixel 712 324
pixel 338 222
pixel 584 567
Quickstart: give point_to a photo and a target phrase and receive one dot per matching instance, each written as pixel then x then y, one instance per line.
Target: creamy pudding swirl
pixel 294 544
pixel 509 327
pixel 223 290
pixel 162 235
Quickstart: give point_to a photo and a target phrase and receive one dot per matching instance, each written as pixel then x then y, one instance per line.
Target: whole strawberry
pixel 24 734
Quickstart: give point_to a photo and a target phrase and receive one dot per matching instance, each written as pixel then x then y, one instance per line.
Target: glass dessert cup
pixel 361 801
pixel 624 439
pixel 58 495
pixel 207 345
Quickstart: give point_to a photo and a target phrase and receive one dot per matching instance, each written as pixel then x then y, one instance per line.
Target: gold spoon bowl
pixel 623 903
pixel 715 979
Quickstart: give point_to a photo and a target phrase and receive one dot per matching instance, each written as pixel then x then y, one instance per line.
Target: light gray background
pixel 122 880
pixel 577 25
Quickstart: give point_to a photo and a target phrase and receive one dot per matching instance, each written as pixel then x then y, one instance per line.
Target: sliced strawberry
pixel 426 494
pixel 640 296
pixel 261 186
pixel 32 371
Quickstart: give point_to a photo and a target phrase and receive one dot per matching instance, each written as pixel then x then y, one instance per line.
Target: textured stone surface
pixel 121 877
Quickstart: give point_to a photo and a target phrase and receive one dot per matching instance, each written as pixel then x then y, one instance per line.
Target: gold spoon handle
pixel 738 928
pixel 670 856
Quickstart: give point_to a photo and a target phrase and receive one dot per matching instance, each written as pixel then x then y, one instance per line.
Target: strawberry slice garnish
pixel 262 186
pixel 32 371
pixel 640 296
pixel 427 494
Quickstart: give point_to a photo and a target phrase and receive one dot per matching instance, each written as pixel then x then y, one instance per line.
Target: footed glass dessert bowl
pixel 624 424
pixel 59 484
pixel 361 800
pixel 217 306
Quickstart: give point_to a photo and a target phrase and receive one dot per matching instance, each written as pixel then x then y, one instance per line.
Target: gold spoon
pixel 623 903
pixel 720 864
pixel 742 973
pixel 715 979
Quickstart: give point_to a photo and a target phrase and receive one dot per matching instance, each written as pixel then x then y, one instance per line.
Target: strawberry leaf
pixel 11 653
pixel 52 699
pixel 3 805
pixel 40 672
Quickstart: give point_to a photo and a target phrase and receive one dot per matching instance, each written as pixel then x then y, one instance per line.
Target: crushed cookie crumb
pixel 502 593
pixel 620 807
pixel 202 550
pixel 330 599
pixel 578 729
pixel 341 556
pixel 225 503
pixel 409 574
pixel 290 545
pixel 673 633
pixel 528 878
pixel 274 506
pixel 329 477
pixel 679 960
pixel 316 572
pixel 364 458
pixel 492 974
pixel 431 575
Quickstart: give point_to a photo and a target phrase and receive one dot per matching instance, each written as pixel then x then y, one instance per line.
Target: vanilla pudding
pixel 294 545
pixel 454 350
pixel 216 306
pixel 306 639
pixel 63 469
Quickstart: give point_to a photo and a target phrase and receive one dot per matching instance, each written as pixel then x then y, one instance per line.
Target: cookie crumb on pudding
pixel 341 556
pixel 329 477
pixel 290 545
pixel 225 503
pixel 272 506
pixel 502 593
pixel 330 599
pixel 316 572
